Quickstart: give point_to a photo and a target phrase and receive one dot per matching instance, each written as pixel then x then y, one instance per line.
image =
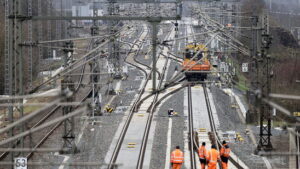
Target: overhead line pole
pixel 30 50
pixel 264 79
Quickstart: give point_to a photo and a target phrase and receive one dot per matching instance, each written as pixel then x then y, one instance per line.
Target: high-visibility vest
pixel 213 156
pixel 202 152
pixel 226 152
pixel 177 156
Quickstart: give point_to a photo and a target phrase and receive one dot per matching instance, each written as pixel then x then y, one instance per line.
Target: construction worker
pixel 177 158
pixel 212 157
pixel 202 155
pixel 225 153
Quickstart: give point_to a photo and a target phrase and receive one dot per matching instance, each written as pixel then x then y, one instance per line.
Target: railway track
pixel 132 61
pixel 216 140
pixel 151 111
pixel 192 145
pixel 135 107
pixel 136 47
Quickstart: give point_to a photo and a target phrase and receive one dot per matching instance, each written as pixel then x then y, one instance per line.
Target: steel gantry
pixel 264 81
pixel 30 50
pixel 14 62
pixel 114 46
pixel 68 90
pixel 40 36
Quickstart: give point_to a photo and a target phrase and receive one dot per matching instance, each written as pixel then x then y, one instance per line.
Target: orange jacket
pixel 213 156
pixel 202 152
pixel 225 152
pixel 177 156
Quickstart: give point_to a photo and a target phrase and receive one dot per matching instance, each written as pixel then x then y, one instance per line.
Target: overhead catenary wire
pixel 42 126
pixel 28 117
pixel 207 18
pixel 30 96
pixel 78 39
pixel 40 104
pixel 70 67
pixel 63 48
pixel 284 96
pixel 72 39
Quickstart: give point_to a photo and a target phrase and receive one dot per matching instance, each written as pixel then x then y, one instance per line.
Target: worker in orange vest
pixel 202 155
pixel 177 158
pixel 212 157
pixel 225 153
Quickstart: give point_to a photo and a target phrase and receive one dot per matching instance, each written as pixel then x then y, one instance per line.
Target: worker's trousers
pixel 212 166
pixel 202 163
pixel 224 165
pixel 176 165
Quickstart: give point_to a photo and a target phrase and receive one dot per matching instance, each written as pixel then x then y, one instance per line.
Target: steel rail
pixel 129 118
pixel 211 120
pixel 135 57
pixel 214 130
pixel 160 76
pixel 136 53
pixel 191 129
pixel 151 110
pixel 148 126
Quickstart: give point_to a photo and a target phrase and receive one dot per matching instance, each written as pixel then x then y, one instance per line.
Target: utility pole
pixel 113 44
pixel 95 28
pixel 49 30
pixel 40 38
pixel 68 90
pixel 14 62
pixel 154 45
pixel 264 76
pixel 30 39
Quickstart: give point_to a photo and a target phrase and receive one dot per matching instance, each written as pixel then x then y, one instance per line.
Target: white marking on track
pixel 168 151
pixel 185 133
pixel 267 162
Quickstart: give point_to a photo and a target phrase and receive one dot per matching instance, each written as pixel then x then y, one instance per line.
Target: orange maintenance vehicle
pixel 196 67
